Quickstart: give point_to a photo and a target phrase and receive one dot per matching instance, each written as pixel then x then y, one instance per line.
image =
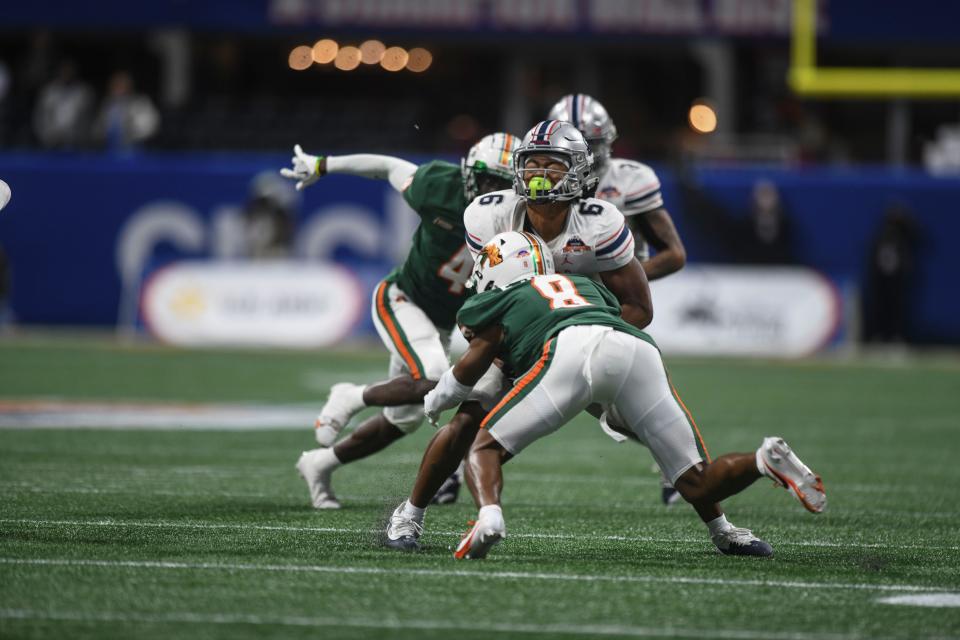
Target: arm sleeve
pixel 642 191
pixel 614 243
pixel 369 165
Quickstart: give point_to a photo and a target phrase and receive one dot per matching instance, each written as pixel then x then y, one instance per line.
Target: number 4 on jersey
pixel 559 290
pixel 457 270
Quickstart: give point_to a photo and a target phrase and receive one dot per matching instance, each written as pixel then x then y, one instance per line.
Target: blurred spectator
pixel 39 63
pixel 763 236
pixel 126 118
pixel 889 281
pixel 269 217
pixel 769 239
pixel 941 156
pixel 62 114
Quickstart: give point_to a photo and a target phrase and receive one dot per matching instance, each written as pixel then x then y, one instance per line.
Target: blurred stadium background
pixel 137 137
pixel 151 259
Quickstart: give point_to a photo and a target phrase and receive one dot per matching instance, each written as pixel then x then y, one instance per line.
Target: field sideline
pixel 203 529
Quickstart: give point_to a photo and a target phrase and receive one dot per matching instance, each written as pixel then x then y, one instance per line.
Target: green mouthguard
pixel 539 185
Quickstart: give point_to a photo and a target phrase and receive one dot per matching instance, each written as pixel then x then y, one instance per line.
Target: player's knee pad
pixel 407 418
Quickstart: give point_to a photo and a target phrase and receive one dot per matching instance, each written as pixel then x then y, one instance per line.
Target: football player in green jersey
pixel 562 338
pixel 414 307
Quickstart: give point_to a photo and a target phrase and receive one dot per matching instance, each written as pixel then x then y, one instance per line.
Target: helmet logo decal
pixel 539 266
pixel 493 255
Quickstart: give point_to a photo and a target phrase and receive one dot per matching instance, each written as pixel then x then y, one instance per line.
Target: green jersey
pixel 533 311
pixel 439 262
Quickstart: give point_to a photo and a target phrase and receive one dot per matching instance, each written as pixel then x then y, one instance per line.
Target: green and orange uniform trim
pixel 397 336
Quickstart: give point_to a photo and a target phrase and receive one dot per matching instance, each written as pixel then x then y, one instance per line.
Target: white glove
pixel 447 394
pixel 431 406
pixel 306 168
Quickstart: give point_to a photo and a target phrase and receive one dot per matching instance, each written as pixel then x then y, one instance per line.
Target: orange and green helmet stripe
pixel 539 264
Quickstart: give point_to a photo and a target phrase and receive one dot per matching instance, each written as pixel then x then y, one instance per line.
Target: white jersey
pixel 632 187
pixel 595 239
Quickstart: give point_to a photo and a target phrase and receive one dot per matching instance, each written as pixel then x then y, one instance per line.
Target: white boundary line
pixel 474 575
pixel 398 624
pixel 534 536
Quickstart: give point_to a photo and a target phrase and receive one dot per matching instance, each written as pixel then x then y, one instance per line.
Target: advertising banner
pixel 272 304
pixel 744 311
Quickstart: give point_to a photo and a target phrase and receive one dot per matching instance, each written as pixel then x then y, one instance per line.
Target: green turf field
pixel 156 533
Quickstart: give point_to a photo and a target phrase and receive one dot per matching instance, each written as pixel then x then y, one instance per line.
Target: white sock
pixel 328 458
pixel 459 472
pixel 491 513
pixel 412 512
pixel 356 400
pixel 718 525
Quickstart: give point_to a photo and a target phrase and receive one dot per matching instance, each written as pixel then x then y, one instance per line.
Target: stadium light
pixel 702 117
pixel 348 59
pixel 371 51
pixel 419 60
pixel 300 58
pixel 325 51
pixel 394 59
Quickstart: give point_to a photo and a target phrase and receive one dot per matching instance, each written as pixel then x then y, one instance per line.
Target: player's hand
pixel 306 168
pixel 432 406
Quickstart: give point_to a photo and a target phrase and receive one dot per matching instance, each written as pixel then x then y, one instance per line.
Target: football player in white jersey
pixel 635 189
pixel 586 236
pixel 630 185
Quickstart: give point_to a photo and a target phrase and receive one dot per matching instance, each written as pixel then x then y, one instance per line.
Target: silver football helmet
pixel 562 141
pixel 510 257
pixel 488 166
pixel 593 121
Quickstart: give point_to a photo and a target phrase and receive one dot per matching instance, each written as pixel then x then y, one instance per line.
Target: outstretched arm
pixel 456 383
pixel 369 165
pixel 307 168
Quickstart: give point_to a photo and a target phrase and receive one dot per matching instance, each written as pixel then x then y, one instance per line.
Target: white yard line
pixel 585 537
pixel 152 490
pixel 253 470
pixel 473 575
pixel 397 624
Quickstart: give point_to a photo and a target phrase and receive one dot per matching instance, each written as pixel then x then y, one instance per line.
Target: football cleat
pixel 336 413
pixel 741 542
pixel 403 532
pixel 448 491
pixel 669 496
pixel 668 493
pixel 316 473
pixel 487 530
pixel 779 462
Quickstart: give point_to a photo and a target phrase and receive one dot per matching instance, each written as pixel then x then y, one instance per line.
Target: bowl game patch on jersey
pixel 575 245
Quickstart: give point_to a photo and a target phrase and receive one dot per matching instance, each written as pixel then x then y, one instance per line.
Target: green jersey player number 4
pixel 414 308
